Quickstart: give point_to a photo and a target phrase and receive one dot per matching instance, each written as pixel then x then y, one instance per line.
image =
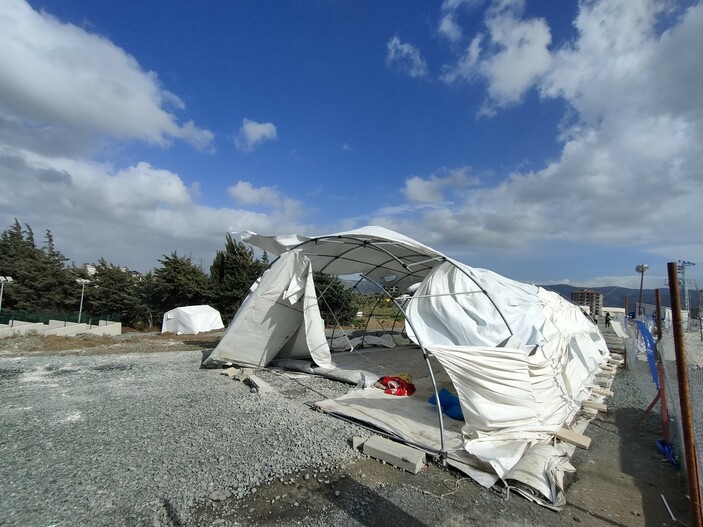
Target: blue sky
pixel 552 142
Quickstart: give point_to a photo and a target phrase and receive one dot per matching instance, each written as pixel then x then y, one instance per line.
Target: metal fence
pixel 650 371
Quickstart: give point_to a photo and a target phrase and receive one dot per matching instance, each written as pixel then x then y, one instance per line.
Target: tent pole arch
pixel 366 243
pixel 443 452
pixel 392 257
pixel 484 292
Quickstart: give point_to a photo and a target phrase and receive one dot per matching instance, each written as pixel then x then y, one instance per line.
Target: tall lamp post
pixel 81 281
pixel 3 279
pixel 641 268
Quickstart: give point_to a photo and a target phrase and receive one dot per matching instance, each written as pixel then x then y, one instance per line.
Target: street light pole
pixel 81 281
pixel 3 279
pixel 641 268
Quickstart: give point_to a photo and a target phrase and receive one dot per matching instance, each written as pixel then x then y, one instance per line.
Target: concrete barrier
pixel 69 330
pixel 59 327
pixel 105 327
pixel 20 329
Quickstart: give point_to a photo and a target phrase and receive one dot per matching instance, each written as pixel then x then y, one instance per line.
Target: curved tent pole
pixel 429 368
pixel 484 292
pixel 410 273
pixel 365 243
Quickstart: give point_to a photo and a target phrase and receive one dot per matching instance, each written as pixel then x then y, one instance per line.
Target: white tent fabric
pixel 521 358
pixel 279 318
pixel 191 320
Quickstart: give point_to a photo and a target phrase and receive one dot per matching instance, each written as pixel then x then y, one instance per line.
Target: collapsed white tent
pixel 191 320
pixel 520 358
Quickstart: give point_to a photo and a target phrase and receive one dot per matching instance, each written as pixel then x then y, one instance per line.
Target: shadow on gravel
pixel 590 513
pixel 171 513
pixel 112 367
pixel 652 474
pixel 201 343
pixel 10 373
pixel 366 505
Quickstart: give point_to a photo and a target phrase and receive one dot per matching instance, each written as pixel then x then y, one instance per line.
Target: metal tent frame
pixel 399 265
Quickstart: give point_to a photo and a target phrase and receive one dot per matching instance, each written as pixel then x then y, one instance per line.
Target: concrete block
pixel 398 455
pixel 244 374
pixel 231 372
pixel 112 329
pixel 70 330
pixel 358 441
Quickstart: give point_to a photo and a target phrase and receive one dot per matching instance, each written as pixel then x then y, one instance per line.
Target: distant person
pixel 607 319
pixel 595 319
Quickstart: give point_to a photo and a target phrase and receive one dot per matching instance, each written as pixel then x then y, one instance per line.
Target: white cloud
pixel 245 193
pixel 628 174
pixel 449 29
pixel 129 216
pixel 251 134
pixel 64 94
pixel 431 190
pixel 514 57
pixel 466 67
pixel 58 76
pixel 406 57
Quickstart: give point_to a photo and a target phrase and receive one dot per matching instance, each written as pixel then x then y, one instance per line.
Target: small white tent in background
pixel 191 320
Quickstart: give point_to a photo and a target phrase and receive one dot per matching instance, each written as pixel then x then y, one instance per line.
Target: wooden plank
pixel 598 390
pixel 604 382
pixel 594 405
pixel 574 438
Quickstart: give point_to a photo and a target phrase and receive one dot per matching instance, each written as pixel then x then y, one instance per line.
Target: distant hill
pixel 612 296
pixel 615 296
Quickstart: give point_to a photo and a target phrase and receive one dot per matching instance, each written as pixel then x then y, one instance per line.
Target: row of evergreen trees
pixel 43 282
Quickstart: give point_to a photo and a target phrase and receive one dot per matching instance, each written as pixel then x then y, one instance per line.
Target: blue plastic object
pixel 667 450
pixel 450 404
pixel 650 346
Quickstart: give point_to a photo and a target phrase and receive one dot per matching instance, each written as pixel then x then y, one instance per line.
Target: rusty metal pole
pixel 685 398
pixel 625 323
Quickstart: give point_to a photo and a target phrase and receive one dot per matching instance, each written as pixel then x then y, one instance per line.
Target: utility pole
pixel 682 264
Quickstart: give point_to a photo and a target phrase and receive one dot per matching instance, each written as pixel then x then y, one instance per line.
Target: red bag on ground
pixel 397 386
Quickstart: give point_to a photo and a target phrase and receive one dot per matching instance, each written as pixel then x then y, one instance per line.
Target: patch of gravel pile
pixel 147 439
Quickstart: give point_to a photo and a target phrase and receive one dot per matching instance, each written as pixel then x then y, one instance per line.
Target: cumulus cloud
pixel 406 58
pixel 432 189
pixel 245 193
pixel 252 134
pixel 57 77
pixel 66 93
pixel 628 173
pixel 514 57
pixel 130 216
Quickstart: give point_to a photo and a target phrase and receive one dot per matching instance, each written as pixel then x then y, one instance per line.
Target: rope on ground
pixel 456 488
pixel 302 384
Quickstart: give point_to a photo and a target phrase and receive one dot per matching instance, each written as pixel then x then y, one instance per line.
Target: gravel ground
pixel 94 437
pixel 140 439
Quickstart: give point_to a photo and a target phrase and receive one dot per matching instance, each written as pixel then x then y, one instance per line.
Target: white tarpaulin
pixel 191 320
pixel 521 359
pixel 279 318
